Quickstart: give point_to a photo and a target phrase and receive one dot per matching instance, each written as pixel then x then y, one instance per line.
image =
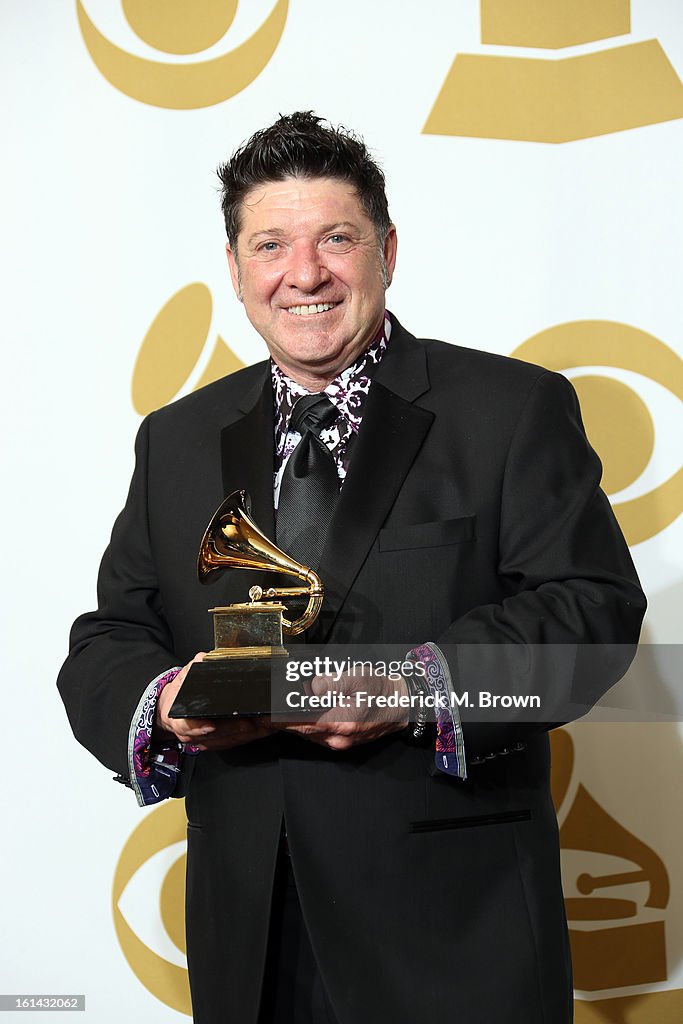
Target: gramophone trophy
pixel 235 678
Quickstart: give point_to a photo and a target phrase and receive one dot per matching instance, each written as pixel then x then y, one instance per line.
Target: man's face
pixel 307 243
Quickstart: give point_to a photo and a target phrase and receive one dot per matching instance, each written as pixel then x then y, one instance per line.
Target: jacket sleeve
pixel 116 651
pixel 569 627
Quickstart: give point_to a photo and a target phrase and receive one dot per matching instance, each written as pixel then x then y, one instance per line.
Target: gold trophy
pixel 235 677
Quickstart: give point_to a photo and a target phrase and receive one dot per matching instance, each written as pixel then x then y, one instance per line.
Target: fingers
pixel 233 732
pixel 180 678
pixel 345 683
pixel 178 727
pixel 192 730
pixel 320 685
pixel 340 735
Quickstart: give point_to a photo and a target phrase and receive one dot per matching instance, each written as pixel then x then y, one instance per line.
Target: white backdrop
pixel 110 209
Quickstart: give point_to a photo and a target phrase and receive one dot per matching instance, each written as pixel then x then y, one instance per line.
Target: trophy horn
pixel 232 540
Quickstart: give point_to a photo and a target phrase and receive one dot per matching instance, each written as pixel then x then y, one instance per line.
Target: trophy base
pixel 223 653
pixel 224 687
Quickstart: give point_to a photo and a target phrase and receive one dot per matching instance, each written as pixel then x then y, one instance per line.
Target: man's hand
pixel 205 733
pixel 358 716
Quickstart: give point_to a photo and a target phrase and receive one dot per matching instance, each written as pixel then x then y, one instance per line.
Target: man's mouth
pixel 319 307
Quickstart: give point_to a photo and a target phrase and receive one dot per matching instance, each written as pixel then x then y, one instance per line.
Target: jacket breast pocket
pixel 428 535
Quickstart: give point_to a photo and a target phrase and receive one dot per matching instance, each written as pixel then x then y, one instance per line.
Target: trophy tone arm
pixel 314 591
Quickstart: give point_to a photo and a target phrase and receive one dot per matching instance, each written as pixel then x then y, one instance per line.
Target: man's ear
pixel 234 271
pixel 390 245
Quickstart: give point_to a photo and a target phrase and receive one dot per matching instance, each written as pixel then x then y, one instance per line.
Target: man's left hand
pixel 358 716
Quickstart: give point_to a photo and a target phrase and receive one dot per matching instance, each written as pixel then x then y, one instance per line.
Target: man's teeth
pixel 321 307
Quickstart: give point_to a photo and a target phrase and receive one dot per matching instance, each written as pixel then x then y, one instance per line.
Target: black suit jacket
pixel 471 515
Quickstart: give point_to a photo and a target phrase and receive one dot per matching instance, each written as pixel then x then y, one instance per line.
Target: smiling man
pixel 361 869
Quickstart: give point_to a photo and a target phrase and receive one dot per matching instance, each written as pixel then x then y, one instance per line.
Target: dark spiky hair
pixel 302 145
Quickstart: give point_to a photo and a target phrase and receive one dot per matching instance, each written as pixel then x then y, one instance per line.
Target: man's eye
pixel 338 239
pixel 270 247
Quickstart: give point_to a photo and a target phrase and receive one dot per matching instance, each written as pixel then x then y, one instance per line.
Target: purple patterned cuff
pixel 449 755
pixel 154 764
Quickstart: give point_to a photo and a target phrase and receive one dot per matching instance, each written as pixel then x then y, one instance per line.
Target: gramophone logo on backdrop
pixel 610 89
pixel 616 896
pixel 181 27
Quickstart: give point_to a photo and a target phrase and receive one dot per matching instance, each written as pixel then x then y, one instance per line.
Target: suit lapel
pixel 389 439
pixel 247 453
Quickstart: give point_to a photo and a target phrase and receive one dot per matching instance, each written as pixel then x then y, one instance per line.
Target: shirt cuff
pixel 154 765
pixel 449 755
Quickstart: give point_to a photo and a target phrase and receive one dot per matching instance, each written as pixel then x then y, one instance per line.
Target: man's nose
pixel 307 270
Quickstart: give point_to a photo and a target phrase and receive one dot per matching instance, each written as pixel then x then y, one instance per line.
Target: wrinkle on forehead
pixel 293 194
pixel 294 184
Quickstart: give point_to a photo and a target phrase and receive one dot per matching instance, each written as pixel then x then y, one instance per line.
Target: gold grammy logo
pixel 617 941
pixel 172 348
pixel 180 27
pixel 617 420
pixel 489 96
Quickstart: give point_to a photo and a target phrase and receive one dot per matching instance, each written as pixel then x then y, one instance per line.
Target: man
pixel 468 526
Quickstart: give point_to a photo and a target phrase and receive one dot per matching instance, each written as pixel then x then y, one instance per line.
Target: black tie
pixel 310 484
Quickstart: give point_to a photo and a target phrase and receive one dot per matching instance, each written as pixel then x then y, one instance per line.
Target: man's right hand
pixel 204 733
